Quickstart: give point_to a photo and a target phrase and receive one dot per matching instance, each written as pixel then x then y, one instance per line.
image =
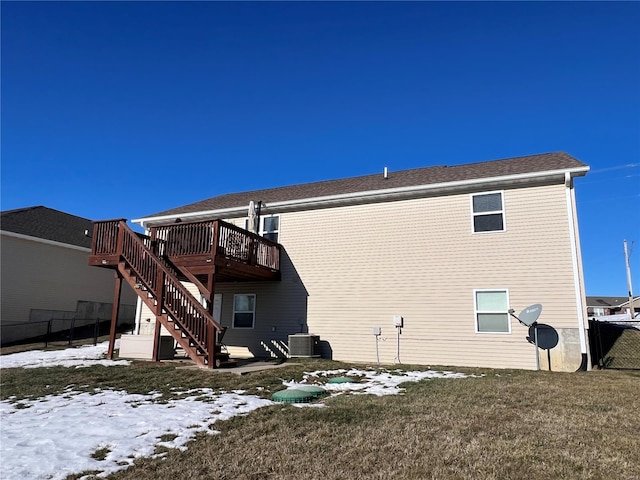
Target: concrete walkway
pixel 243 367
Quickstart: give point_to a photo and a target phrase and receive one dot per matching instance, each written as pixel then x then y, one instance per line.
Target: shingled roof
pixel 404 178
pixel 606 301
pixel 47 223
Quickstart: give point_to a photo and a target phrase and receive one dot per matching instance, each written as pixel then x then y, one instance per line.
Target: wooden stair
pixel 157 283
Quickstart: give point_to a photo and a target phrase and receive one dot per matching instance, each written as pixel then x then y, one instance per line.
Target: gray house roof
pixel 606 301
pixel 404 178
pixel 47 223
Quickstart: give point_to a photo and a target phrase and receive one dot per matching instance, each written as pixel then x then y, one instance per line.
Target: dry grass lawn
pixel 503 425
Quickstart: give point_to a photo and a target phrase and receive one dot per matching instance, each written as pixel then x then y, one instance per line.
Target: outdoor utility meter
pixel 398 321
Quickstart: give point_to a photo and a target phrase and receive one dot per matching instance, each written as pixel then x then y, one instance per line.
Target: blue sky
pixel 123 109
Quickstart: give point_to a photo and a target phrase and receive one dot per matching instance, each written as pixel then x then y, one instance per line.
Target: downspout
pixel 138 315
pixel 576 271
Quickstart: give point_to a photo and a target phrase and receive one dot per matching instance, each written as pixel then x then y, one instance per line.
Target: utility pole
pixel 626 257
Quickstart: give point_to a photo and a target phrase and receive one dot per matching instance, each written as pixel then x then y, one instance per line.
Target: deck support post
pixel 153 241
pixel 211 331
pixel 155 356
pixel 211 287
pixel 114 314
pixel 211 345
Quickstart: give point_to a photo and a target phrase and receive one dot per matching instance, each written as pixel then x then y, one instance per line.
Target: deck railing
pixel 199 238
pixel 105 237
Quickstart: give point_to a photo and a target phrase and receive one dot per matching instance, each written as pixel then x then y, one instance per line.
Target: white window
pixel 492 311
pixel 270 227
pixel 598 311
pixel 244 310
pixel 488 212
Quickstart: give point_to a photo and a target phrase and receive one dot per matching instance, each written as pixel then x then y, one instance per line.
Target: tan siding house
pixel 449 249
pixel 45 274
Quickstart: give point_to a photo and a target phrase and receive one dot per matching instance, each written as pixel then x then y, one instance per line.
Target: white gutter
pixel 369 195
pixel 45 241
pixel 576 268
pixel 138 320
pixel 143 222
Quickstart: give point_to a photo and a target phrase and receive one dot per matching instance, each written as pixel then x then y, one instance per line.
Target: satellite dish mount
pixel 529 318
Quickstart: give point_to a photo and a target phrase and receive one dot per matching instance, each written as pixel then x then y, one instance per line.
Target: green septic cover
pixel 293 395
pixel 340 380
pixel 313 389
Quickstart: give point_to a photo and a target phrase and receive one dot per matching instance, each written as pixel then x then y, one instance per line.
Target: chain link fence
pixel 615 344
pixel 60 331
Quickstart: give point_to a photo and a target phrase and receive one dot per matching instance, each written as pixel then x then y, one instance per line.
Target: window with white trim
pixel 270 227
pixel 244 310
pixel 488 212
pixel 492 311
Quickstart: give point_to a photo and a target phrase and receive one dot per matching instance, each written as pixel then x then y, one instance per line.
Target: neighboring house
pixel 600 306
pixel 450 250
pixel 45 274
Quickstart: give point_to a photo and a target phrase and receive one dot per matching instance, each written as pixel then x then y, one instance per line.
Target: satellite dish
pixel 547 336
pixel 530 315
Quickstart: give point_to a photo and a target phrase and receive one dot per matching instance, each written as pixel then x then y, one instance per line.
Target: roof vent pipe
pixel 386 172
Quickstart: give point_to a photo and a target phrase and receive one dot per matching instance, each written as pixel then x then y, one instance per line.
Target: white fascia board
pixel 45 241
pixel 344 199
pixel 205 214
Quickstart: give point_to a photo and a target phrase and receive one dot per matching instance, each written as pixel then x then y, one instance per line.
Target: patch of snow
pixel 83 356
pixel 374 382
pixel 55 436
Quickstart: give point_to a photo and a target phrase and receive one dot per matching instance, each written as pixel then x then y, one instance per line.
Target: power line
pixel 617 167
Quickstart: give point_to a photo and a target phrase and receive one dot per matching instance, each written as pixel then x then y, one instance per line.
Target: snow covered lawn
pixel 84 356
pixel 106 430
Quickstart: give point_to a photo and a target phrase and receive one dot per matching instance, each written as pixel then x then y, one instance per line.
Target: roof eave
pixel 44 240
pixel 372 196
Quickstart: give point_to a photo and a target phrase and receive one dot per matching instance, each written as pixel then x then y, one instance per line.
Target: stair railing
pixel 170 294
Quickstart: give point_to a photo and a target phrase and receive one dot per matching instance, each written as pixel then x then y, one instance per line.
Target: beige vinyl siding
pixel 281 310
pixel 238 222
pixel 38 275
pixel 419 258
pixel 346 270
pixel 148 318
pixel 147 321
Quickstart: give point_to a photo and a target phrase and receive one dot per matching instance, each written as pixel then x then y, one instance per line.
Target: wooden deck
pixel 204 253
pixel 197 250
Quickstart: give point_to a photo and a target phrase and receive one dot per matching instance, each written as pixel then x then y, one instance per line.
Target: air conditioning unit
pixel 304 345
